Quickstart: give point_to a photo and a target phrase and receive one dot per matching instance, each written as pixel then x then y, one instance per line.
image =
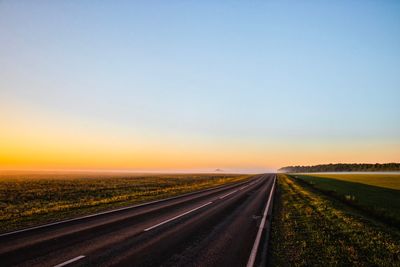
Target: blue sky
pixel 294 79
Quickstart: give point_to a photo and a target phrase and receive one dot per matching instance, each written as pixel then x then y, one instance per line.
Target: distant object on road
pixel 344 167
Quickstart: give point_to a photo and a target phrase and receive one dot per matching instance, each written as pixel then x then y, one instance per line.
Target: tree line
pixel 344 167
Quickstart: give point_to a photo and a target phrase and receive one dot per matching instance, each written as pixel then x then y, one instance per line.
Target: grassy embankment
pixel 314 227
pixel 32 199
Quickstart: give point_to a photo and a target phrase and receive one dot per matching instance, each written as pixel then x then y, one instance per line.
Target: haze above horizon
pixel 191 85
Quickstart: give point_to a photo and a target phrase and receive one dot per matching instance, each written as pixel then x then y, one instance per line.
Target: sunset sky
pixel 198 85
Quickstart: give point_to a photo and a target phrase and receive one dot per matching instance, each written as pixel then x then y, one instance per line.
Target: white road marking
pixel 243 187
pixel 253 254
pixel 187 212
pixel 176 217
pixel 70 261
pixel 224 196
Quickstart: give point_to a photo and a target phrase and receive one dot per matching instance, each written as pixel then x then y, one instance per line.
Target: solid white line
pixel 120 209
pixel 228 194
pixel 70 261
pixel 253 254
pixel 176 217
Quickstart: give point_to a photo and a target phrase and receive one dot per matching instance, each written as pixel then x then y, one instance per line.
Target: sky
pixel 197 85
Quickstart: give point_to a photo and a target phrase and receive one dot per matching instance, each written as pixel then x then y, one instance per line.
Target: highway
pixel 223 226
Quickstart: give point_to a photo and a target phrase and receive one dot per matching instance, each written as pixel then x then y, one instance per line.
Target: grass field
pixel 376 194
pixel 310 228
pixel 28 199
pixel 391 181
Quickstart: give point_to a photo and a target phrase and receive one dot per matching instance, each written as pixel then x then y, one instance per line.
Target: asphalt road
pixel 217 227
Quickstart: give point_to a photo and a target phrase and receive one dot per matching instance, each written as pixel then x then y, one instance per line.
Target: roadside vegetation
pixel 32 199
pixel 312 228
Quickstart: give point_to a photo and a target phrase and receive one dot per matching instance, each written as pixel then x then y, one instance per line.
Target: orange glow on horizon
pixel 66 155
pixel 57 143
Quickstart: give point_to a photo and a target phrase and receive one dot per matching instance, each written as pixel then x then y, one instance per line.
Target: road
pixel 217 227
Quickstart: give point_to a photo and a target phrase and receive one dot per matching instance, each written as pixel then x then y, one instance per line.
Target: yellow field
pixel 28 199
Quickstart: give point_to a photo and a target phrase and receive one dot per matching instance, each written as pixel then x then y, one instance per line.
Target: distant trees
pixel 344 167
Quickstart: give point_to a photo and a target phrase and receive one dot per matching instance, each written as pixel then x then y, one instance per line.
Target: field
pixel 28 199
pixel 311 228
pixel 376 194
pixel 391 181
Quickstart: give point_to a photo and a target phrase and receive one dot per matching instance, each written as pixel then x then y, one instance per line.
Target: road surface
pixel 217 227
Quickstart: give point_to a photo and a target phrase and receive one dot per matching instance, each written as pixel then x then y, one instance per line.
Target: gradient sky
pixel 198 85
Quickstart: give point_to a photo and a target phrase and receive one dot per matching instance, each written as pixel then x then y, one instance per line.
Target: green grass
pixel 310 228
pixel 35 198
pixel 380 202
pixel 391 181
